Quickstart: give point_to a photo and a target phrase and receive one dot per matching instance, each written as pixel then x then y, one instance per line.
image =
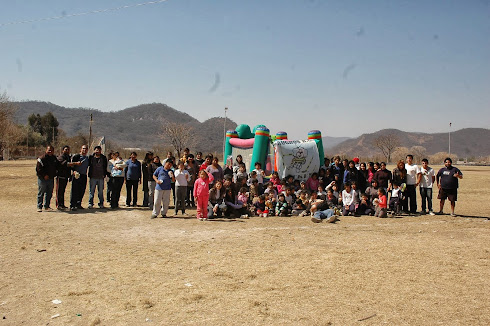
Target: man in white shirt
pixel 412 183
pixel 426 179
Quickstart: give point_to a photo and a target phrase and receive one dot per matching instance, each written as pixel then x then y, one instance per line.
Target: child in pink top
pixel 201 193
pixel 381 209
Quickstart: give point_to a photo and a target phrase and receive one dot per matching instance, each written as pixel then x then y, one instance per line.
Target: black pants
pixel 116 186
pixel 131 186
pixel 109 190
pixel 189 199
pixel 60 193
pixel 410 199
pixel 78 187
pixel 146 193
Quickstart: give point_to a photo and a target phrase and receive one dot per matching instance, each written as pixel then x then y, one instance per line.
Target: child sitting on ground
pixel 300 205
pixel 270 204
pixel 365 207
pixel 259 206
pixel 282 207
pixel 270 189
pixel 322 194
pixel 381 204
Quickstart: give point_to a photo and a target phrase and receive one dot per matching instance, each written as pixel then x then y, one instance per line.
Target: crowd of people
pixel 340 187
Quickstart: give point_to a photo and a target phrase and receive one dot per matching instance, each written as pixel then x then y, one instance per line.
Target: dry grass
pixel 121 268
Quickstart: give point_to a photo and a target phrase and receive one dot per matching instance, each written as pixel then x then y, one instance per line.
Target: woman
pixel 216 199
pixel 118 175
pixel 371 172
pixel 146 177
pixel 216 170
pixel 234 207
pixel 400 177
pixel 351 174
pixel 191 166
pixel 363 179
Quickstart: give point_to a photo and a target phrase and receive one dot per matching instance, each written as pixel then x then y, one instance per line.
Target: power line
pixel 83 13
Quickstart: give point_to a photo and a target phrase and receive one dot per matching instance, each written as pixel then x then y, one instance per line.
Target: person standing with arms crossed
pixel 79 178
pixel 46 172
pixel 447 182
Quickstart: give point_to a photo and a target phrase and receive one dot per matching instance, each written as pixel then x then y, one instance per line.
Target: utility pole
pixel 450 139
pixel 90 132
pixel 27 141
pixel 224 140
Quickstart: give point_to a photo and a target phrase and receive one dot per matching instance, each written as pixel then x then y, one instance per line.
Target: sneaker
pixel 153 216
pixel 80 207
pixel 164 216
pixel 316 220
pixel 101 206
pixel 431 213
pixel 440 213
pixel 73 209
pixel 453 215
pixel 39 210
pixel 90 206
pixel 331 219
pixel 245 216
pixel 423 213
pixel 48 209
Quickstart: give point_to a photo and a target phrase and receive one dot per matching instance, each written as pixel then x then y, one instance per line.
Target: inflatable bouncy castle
pixel 299 158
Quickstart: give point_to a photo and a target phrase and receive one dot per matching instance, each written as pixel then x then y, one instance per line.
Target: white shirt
pixel 181 177
pixel 412 171
pixel 427 177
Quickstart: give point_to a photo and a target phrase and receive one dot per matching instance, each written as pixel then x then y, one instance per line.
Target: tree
pixel 418 152
pixel 387 144
pixel 179 135
pixel 10 132
pixel 46 125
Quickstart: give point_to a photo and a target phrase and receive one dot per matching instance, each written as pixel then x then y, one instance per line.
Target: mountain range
pixel 141 126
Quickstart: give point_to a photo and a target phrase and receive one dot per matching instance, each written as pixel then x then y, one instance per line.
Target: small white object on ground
pixel 188 284
pixel 56 301
pixel 55 316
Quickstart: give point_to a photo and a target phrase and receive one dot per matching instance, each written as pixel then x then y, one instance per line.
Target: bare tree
pixel 179 135
pixel 387 144
pixel 10 132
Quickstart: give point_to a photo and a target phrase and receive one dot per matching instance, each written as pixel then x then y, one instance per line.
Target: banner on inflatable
pixel 298 158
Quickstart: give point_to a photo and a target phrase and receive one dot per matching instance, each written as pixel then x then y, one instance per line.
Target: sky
pixel 342 67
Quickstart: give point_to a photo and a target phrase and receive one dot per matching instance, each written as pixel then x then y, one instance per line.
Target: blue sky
pixel 343 67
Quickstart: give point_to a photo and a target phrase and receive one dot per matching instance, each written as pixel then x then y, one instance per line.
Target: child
pixel 312 183
pixel 365 206
pixel 348 194
pixel 281 187
pixel 357 196
pixel 254 188
pixel 182 177
pixel 253 176
pixel 234 206
pixel 275 179
pixel 321 193
pixel 243 195
pixel 290 196
pixel 395 199
pixel 331 200
pixel 260 175
pixel 260 207
pixel 300 205
pixel 270 204
pixel 201 194
pixel 302 187
pixel 372 191
pixel 381 201
pixel 270 189
pixel 282 207
pixel 241 173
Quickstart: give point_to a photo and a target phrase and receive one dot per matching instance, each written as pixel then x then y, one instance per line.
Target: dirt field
pixel 121 268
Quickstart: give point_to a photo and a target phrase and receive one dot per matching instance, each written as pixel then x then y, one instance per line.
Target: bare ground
pixel 121 268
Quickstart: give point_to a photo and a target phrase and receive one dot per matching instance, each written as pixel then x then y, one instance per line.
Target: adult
pixel 146 178
pixel 351 174
pixel 182 178
pixel 199 160
pixel 371 172
pixel 187 151
pixel 79 178
pixel 191 166
pixel 163 177
pixel 207 162
pixel 412 183
pixel 426 180
pixel 400 178
pixel 152 167
pixel 216 170
pixel 110 162
pixel 118 174
pixel 447 182
pixel 169 156
pixel 46 168
pixel 216 199
pixel 97 171
pixel 337 171
pixel 133 178
pixel 383 176
pixel 363 177
pixel 63 176
pixel 236 164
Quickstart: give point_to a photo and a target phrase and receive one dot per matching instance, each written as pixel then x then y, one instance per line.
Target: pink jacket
pixel 201 186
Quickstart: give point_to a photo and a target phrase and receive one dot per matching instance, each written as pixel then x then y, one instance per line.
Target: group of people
pixel 341 187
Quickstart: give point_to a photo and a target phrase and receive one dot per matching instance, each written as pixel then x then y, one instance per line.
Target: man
pixel 64 174
pixel 133 177
pixel 426 180
pixel 163 177
pixel 79 178
pixel 324 212
pixel 447 182
pixel 97 171
pixel 412 183
pixel 169 155
pixel 46 168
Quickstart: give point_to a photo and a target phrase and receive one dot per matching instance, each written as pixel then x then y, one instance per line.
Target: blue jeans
pixel 100 188
pixel 44 192
pixel 324 214
pixel 426 194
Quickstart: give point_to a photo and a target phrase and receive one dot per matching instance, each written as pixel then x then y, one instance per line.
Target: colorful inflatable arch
pixel 299 158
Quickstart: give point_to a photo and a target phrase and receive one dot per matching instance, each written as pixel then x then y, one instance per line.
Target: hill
pixel 137 126
pixel 466 142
